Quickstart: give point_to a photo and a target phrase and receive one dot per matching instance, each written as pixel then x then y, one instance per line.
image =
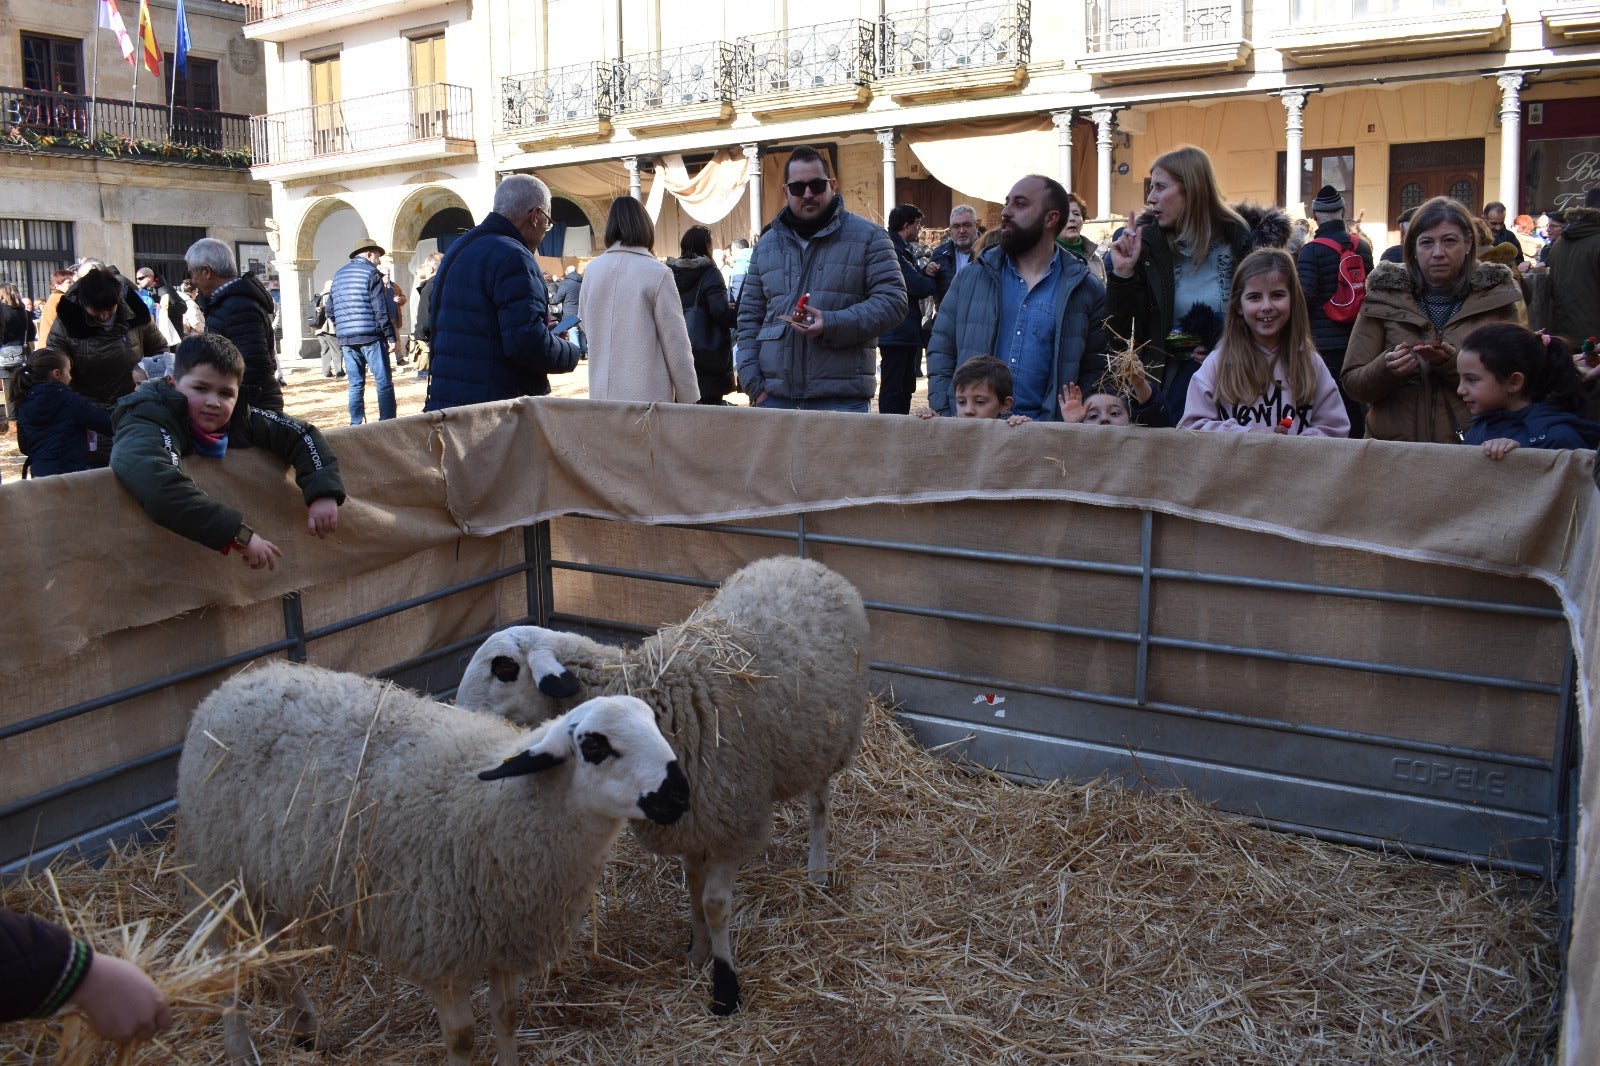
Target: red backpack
pixel 1345 303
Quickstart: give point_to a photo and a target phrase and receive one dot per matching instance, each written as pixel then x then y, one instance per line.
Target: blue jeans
pixel 356 363
pixel 778 403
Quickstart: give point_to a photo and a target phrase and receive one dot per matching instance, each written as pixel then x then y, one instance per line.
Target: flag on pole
pixel 147 34
pixel 180 47
pixel 111 19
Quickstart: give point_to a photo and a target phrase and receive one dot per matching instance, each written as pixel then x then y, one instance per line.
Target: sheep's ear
pixel 555 680
pixel 521 764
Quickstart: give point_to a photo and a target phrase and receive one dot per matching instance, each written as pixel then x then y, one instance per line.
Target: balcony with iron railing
pixel 813 69
pixel 405 127
pixel 35 121
pixel 955 49
pixel 284 20
pixel 571 104
pixel 1140 40
pixel 679 87
pixel 1333 31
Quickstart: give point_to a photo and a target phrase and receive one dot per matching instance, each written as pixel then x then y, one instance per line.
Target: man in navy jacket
pixel 491 335
pixel 366 332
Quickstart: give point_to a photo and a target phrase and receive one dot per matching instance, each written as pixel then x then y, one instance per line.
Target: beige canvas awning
pixel 983 160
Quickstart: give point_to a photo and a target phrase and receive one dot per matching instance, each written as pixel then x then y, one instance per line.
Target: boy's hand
pixel 1142 390
pixel 925 412
pixel 322 517
pixel 120 1001
pixel 1500 447
pixel 1017 420
pixel 261 552
pixel 1072 409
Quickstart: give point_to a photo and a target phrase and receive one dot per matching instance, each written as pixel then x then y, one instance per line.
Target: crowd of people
pixel 1197 314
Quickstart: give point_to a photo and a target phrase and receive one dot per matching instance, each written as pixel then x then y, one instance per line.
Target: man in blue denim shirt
pixel 1027 302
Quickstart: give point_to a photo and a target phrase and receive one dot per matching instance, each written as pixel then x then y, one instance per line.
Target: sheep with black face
pixel 761 692
pixel 449 845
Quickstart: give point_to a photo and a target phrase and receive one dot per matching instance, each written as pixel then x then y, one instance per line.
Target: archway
pixel 571 234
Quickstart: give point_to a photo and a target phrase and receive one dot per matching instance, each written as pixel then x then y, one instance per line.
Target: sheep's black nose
pixel 666 804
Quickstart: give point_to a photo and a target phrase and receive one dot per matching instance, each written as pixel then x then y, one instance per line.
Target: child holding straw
pixel 44 968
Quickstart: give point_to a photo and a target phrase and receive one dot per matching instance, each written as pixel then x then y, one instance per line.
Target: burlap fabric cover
pixel 99 597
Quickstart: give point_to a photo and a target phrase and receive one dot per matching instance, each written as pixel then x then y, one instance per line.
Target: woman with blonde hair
pixel 1401 361
pixel 631 312
pixel 1175 265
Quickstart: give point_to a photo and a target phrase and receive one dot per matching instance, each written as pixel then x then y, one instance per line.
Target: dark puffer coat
pixel 359 306
pixel 153 434
pixel 710 318
pixel 491 337
pixel 1318 267
pixel 1575 277
pixel 51 422
pixel 242 312
pixel 103 358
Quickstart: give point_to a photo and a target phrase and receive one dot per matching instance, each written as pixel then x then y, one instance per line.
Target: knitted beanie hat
pixel 1328 200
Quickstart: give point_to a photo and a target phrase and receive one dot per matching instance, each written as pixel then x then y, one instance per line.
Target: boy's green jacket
pixel 151 433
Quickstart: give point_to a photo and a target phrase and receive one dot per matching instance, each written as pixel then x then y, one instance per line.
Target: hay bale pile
pixel 975 921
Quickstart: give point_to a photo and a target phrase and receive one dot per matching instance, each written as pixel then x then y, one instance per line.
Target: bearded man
pixel 1030 303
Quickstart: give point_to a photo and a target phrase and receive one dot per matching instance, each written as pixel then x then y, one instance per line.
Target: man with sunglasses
pixel 823 284
pixel 491 338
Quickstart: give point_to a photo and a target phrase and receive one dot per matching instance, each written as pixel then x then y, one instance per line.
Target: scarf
pixel 807 230
pixel 1440 305
pixel 212 444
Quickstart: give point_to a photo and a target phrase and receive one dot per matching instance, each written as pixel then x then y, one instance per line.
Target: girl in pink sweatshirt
pixel 1264 375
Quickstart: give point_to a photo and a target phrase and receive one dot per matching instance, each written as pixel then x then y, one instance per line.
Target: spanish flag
pixel 147 34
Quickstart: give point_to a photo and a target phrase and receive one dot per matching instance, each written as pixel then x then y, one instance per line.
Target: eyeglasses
pixel 817 186
pixel 541 211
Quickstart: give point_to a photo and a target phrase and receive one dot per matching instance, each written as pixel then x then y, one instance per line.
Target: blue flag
pixel 180 50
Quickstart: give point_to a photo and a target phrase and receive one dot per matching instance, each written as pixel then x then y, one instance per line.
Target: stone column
pixel 631 164
pixel 1063 123
pixel 296 281
pixel 1105 125
pixel 752 152
pixel 886 138
pixel 1294 102
pixel 1510 82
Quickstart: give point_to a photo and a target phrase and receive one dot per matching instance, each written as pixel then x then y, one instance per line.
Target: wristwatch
pixel 241 539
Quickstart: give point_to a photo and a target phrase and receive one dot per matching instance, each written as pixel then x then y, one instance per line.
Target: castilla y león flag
pixel 111 19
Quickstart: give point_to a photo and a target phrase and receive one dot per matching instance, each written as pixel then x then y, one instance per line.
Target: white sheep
pixel 761 692
pixel 359 808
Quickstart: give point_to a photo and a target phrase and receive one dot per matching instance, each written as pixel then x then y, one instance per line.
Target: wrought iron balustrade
pixel 366 123
pixel 1306 14
pixel 695 74
pixel 567 94
pixel 806 57
pixel 978 33
pixel 70 119
pixel 1135 25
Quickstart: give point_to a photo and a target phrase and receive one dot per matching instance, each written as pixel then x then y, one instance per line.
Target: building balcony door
pixel 327 122
pixel 432 105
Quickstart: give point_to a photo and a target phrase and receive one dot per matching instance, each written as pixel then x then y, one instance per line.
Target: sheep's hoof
pixel 724 988
pixel 824 878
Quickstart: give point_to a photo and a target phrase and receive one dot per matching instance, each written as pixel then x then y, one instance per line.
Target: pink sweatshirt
pixel 1324 416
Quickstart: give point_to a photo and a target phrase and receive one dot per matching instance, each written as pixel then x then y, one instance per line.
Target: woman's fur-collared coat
pixel 1422 406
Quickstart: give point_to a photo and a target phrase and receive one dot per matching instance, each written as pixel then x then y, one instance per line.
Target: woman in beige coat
pixel 629 304
pixel 1402 355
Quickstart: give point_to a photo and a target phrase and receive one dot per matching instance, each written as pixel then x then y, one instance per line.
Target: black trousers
pixel 898 381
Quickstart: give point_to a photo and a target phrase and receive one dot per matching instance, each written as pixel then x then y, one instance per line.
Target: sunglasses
pixel 817 187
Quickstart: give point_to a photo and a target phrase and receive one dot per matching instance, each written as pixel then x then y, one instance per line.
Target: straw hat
pixel 366 244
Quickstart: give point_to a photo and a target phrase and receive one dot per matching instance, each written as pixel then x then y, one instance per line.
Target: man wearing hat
pixel 1318 265
pixel 360 312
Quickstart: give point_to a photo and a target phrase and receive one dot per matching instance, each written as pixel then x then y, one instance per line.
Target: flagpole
pixel 94 77
pixel 138 58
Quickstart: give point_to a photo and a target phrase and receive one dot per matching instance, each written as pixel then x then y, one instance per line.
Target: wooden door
pixel 432 109
pixel 1419 172
pixel 327 124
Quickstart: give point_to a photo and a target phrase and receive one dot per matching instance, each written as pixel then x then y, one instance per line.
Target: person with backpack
pixel 1333 271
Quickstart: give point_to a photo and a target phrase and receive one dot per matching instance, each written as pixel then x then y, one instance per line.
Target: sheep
pixel 761 692
pixel 357 807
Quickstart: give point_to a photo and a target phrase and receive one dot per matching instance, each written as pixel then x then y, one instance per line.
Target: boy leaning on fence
pixel 196 409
